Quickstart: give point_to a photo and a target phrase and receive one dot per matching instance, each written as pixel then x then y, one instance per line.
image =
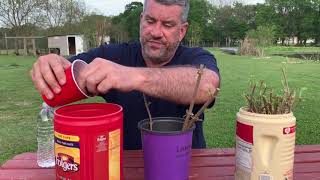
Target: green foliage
pixel 194 34
pixel 264 35
pixel 198 21
pixel 291 18
pixel 128 22
pixel 257 40
pixel 90 27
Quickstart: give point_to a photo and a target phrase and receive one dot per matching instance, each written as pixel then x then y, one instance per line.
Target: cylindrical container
pixel 166 149
pixel 70 91
pixel 45 137
pixel 88 141
pixel 264 146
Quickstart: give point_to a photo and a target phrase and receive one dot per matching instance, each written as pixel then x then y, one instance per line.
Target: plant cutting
pixel 167 141
pixel 265 133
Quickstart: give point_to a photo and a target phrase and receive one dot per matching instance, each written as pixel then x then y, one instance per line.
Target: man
pixel 158 66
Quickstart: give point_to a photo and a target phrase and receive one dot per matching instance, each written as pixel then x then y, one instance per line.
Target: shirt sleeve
pixel 201 56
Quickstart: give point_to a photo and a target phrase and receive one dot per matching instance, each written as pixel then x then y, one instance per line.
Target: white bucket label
pixel 243 154
pixel 265 177
pixel 244 143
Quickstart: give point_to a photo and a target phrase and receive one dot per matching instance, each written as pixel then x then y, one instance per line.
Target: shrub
pixel 264 100
pixel 257 40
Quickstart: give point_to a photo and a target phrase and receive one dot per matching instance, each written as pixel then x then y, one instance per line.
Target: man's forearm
pixel 177 83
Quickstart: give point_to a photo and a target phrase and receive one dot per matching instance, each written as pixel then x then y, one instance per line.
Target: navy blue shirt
pixel 132 102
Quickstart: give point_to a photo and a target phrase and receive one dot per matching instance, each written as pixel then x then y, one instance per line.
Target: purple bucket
pixel 166 149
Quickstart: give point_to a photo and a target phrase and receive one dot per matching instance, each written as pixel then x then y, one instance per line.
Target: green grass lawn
pixel 236 71
pixel 19 101
pixel 291 49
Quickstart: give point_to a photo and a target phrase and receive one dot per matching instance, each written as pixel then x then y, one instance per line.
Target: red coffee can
pixel 88 141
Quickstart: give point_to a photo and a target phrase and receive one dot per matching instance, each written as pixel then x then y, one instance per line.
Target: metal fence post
pixel 6 42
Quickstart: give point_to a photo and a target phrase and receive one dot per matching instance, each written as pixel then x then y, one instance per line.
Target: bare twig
pixel 264 102
pixel 146 103
pixel 209 101
pixel 195 92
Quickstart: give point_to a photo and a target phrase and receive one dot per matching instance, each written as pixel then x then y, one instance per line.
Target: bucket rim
pixel 244 110
pixel 56 112
pixel 164 119
pixel 74 78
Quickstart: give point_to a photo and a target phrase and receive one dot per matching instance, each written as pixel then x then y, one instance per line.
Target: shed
pixel 66 45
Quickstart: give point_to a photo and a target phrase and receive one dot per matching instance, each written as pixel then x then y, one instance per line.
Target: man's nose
pixel 156 31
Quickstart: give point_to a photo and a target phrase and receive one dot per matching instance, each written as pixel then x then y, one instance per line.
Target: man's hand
pixel 102 75
pixel 48 74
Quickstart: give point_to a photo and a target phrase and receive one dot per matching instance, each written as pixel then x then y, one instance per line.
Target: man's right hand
pixel 48 74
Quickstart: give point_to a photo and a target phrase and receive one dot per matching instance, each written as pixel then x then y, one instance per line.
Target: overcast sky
pixel 115 7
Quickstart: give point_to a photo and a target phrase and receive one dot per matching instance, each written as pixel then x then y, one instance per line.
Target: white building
pixel 294 41
pixel 66 45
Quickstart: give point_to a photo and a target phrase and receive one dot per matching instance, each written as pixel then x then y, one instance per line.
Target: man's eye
pixel 150 21
pixel 168 25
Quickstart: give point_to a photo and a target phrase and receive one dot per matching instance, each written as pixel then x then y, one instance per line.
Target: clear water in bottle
pixel 45 137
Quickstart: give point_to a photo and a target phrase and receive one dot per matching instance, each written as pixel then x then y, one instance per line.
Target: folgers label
pixel 67 163
pixel 67 155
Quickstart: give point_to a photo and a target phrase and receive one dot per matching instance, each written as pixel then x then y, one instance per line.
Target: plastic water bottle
pixel 45 137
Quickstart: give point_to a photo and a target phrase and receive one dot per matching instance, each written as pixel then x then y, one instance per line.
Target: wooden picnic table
pixel 206 164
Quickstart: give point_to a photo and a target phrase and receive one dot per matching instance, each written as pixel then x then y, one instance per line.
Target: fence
pixel 23 45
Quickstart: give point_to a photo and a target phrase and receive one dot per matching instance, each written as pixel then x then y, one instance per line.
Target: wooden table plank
pixel 28 161
pixel 27 174
pixel 206 164
pixel 307 167
pixel 195 152
pixel 136 174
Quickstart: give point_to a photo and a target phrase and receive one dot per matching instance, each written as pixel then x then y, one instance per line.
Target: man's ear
pixel 183 30
pixel 141 15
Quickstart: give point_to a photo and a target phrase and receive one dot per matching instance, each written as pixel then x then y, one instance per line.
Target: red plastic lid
pixel 87 113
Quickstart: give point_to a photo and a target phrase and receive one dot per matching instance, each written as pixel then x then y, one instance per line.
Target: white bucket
pixel 264 146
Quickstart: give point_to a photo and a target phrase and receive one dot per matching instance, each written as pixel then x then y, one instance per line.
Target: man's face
pixel 161 31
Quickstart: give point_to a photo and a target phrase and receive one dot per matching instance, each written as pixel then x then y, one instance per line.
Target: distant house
pixel 294 41
pixel 66 45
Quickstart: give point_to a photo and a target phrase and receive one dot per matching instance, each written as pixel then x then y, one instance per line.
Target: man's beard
pixel 165 54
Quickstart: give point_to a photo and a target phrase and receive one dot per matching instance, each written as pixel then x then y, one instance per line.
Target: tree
pixel 267 16
pixel 95 28
pixel 257 40
pixel 127 23
pixel 292 18
pixel 315 4
pixel 194 34
pixel 75 11
pixel 132 19
pixel 198 21
pixel 58 12
pixel 16 13
pixel 264 35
